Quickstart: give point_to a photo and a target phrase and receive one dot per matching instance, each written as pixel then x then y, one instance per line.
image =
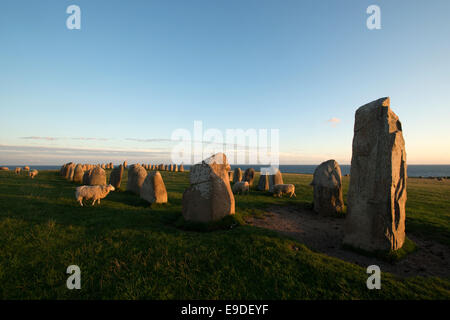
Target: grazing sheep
pixel 33 173
pixel 92 192
pixel 17 170
pixel 26 168
pixel 241 187
pixel 280 189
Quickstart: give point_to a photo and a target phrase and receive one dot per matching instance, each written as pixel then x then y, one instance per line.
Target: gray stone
pixel 209 197
pixel 153 189
pixel 136 177
pixel 327 183
pixel 377 190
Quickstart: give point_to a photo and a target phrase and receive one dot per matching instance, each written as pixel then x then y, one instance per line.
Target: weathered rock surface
pixel 269 178
pixel 263 184
pixel 87 177
pixel 78 174
pixel 153 189
pixel 377 191
pixel 181 168
pixel 249 176
pixel 136 177
pixel 327 183
pixel 237 175
pixel 70 171
pixel 115 179
pixel 209 197
pixel 97 177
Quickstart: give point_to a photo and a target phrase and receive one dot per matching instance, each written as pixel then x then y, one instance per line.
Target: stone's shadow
pixel 325 234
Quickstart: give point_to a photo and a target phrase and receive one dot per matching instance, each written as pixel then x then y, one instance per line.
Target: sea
pixel 413 169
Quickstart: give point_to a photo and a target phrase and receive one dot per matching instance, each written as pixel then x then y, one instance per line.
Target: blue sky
pixel 138 70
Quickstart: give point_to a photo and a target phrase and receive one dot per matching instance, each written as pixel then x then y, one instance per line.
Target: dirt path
pixel 325 234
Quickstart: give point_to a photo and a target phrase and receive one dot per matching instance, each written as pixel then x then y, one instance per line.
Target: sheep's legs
pixel 93 202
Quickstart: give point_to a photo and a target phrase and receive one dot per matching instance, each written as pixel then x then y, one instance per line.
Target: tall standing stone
pixel 377 191
pixel 97 177
pixel 209 198
pixel 115 179
pixel 181 168
pixel 87 176
pixel 327 183
pixel 249 176
pixel 237 175
pixel 136 177
pixel 153 189
pixel 263 184
pixel 269 178
pixel 70 171
pixel 78 174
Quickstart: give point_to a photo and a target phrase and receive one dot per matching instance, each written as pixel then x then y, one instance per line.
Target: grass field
pixel 129 250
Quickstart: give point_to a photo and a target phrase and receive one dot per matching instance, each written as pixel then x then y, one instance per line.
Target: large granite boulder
pixel 249 176
pixel 136 177
pixel 153 189
pixel 78 174
pixel 97 177
pixel 115 179
pixel 209 197
pixel 377 190
pixel 327 183
pixel 237 175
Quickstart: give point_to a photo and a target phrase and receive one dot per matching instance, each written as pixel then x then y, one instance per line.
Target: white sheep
pixel 92 192
pixel 33 173
pixel 280 189
pixel 241 187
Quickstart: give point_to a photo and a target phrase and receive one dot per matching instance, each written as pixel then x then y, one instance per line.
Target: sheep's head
pixel 110 187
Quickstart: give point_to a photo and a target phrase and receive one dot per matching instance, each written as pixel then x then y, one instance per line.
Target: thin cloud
pixel 334 121
pixel 64 138
pixel 40 138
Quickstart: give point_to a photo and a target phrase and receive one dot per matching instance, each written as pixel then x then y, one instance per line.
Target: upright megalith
pixel 263 184
pixel 97 177
pixel 181 168
pixel 249 176
pixel 136 177
pixel 377 191
pixel 153 189
pixel 66 170
pixel 237 175
pixel 327 183
pixel 70 171
pixel 78 174
pixel 115 179
pixel 87 176
pixel 269 178
pixel 209 197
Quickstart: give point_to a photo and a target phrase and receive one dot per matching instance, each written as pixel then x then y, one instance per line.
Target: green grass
pixel 129 250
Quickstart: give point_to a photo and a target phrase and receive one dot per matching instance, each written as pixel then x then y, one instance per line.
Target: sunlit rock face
pixel 377 191
pixel 209 197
